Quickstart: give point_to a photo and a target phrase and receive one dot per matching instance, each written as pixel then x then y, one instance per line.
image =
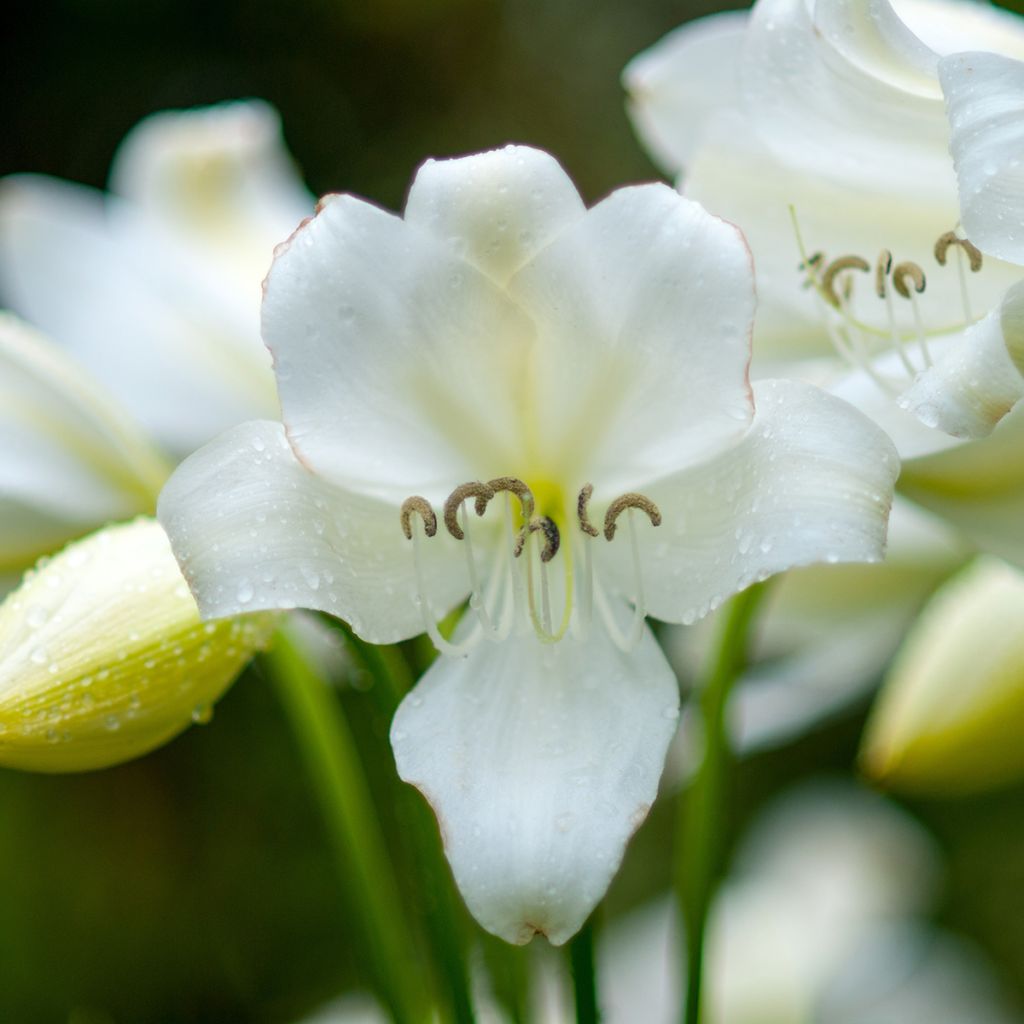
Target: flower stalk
pixel 328 748
pixel 699 839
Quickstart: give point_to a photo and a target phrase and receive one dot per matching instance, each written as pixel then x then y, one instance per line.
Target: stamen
pixel 581 511
pixel 952 238
pixel 473 489
pixel 513 485
pixel 551 535
pixel 901 272
pixel 631 500
pixel 835 268
pixel 422 507
pixel 973 255
pixel 882 268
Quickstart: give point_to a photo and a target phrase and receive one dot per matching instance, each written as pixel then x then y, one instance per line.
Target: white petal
pixel 540 761
pixel 810 482
pixel 643 311
pixel 494 209
pixel 69 458
pixel 986 115
pixel 384 338
pixel 97 288
pixel 682 82
pixel 839 113
pixel 977 487
pixel 219 176
pixel 980 379
pixel 252 528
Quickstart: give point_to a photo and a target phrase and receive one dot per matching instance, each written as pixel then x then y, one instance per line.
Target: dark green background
pixel 195 884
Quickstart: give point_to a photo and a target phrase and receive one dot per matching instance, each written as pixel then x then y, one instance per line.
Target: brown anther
pixel 426 513
pixel 620 504
pixel 473 489
pixel 513 485
pixel 581 511
pixel 882 267
pixel 552 539
pixel 952 238
pixel 836 267
pixel 901 272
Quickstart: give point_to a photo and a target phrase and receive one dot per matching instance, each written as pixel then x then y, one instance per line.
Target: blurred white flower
pixel 70 458
pixel 576 368
pixel 836 109
pixel 819 922
pixel 155 286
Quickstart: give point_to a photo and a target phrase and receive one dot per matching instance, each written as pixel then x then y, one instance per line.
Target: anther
pixel 901 272
pixel 581 511
pixel 836 267
pixel 426 513
pixel 515 486
pixel 882 268
pixel 474 489
pixel 620 504
pixel 552 539
pixel 952 238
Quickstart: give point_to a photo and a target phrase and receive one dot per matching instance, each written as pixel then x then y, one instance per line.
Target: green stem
pixel 392 679
pixel 329 750
pixel 584 975
pixel 699 840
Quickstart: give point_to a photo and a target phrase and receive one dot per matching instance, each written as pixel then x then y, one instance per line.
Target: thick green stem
pixel 329 751
pixel 699 839
pixel 584 975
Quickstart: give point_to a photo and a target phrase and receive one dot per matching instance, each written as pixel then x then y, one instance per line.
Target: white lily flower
pixel 544 409
pixel 70 458
pixel 852 212
pixel 155 285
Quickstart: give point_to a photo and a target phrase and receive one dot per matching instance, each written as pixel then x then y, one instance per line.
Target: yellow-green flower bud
pixel 103 656
pixel 950 717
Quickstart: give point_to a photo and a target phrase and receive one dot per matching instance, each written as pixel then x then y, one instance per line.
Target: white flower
pixel 835 111
pixel 508 398
pixel 155 285
pixel 70 458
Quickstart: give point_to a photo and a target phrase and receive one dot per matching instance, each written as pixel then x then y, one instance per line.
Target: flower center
pixel 861 339
pixel 518 589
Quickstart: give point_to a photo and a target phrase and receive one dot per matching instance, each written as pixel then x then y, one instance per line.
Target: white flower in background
pixel 950 717
pixel 70 458
pixel 155 286
pixel 508 398
pixel 821 920
pixel 103 656
pixel 839 107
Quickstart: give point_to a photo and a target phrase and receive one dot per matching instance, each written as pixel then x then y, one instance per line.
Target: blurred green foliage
pixel 196 884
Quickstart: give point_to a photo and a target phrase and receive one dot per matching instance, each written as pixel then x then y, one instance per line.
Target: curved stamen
pixel 581 511
pixel 422 507
pixel 904 271
pixel 473 489
pixel 552 539
pixel 631 500
pixel 512 485
pixel 952 238
pixel 836 267
pixel 882 267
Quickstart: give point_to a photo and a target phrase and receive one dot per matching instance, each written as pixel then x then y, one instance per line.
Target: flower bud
pixel 103 655
pixel 950 717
